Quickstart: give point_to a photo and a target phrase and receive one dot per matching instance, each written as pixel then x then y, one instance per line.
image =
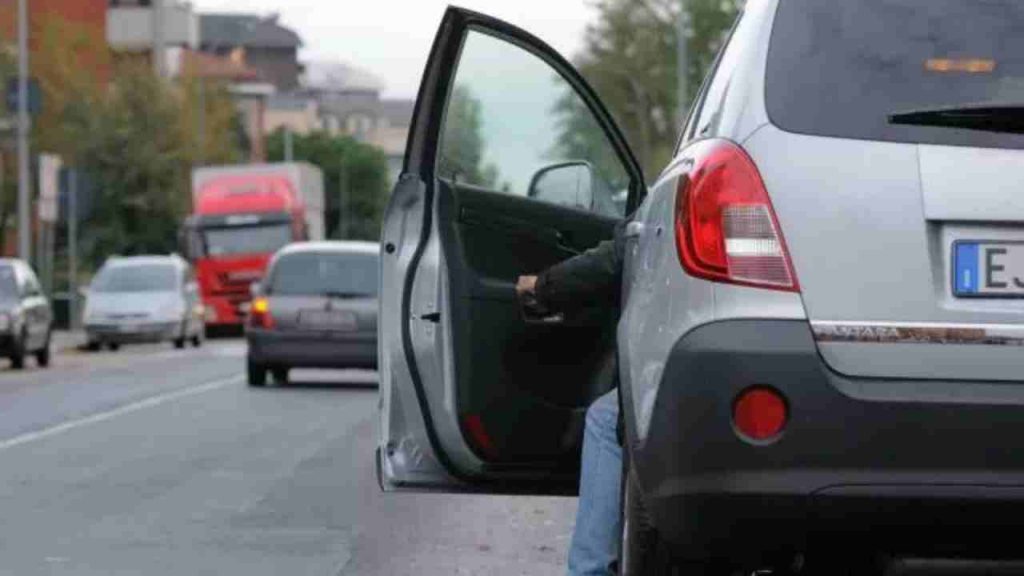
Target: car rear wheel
pixel 93 346
pixel 179 343
pixel 280 376
pixel 113 346
pixel 18 351
pixel 257 374
pixel 643 551
pixel 43 355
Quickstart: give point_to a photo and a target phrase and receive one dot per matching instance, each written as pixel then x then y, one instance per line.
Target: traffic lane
pixel 79 384
pixel 222 478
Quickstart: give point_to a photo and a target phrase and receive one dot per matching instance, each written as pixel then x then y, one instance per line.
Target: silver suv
pixel 820 352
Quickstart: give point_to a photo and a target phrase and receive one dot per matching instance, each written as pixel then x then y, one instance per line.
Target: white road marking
pixel 119 411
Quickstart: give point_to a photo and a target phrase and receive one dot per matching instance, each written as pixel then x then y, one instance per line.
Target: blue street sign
pixel 35 97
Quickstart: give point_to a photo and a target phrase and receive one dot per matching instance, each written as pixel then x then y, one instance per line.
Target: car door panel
pixel 475 394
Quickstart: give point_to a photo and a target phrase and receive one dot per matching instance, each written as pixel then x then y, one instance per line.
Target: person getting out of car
pixel 594 275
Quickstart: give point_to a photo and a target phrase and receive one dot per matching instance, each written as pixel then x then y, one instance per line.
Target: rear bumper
pixel 312 350
pixel 141 333
pixel 906 467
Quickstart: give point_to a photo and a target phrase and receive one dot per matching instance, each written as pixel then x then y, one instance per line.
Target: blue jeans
pixel 597 535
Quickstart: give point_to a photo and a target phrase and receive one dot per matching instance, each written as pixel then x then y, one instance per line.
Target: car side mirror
pixel 565 184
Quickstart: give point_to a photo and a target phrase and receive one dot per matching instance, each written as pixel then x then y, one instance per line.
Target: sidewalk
pixel 63 340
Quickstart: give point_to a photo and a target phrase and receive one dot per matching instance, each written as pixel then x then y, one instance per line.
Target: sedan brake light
pixel 726 229
pixel 259 314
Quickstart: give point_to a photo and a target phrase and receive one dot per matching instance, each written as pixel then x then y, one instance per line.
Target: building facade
pixel 270 47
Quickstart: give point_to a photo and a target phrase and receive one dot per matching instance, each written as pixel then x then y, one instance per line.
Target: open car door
pixel 512 165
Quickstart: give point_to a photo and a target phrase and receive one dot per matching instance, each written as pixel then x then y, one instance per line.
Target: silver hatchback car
pixel 316 308
pixel 820 351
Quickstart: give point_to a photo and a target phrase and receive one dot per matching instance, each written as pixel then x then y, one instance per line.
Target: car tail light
pixel 259 314
pixel 726 230
pixel 760 414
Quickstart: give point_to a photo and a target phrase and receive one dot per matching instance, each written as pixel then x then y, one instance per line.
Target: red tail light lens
pixel 259 314
pixel 726 230
pixel 760 414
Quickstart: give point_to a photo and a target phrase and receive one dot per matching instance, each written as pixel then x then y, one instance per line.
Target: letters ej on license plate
pixel 329 319
pixel 988 269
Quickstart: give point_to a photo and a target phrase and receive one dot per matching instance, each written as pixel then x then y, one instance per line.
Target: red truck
pixel 241 215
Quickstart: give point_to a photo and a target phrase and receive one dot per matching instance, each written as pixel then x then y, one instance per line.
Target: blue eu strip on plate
pixel 966 262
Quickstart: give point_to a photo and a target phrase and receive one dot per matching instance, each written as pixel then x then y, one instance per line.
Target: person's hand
pixel 526 285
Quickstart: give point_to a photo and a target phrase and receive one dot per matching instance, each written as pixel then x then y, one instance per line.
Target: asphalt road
pixel 159 461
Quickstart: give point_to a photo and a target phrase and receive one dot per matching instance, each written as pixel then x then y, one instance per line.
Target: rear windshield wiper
pixel 989 117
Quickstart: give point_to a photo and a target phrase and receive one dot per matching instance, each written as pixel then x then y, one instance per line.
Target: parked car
pixel 316 308
pixel 820 354
pixel 143 299
pixel 26 318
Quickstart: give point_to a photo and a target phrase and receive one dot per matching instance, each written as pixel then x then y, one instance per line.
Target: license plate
pixel 988 269
pixel 329 320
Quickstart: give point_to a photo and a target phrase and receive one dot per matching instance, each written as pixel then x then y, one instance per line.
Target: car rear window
pixel 317 274
pixel 136 278
pixel 841 68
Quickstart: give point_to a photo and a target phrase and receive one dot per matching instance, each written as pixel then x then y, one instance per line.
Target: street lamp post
pixel 682 62
pixel 24 177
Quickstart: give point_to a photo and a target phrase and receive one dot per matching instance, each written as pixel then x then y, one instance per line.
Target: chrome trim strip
pixel 919 333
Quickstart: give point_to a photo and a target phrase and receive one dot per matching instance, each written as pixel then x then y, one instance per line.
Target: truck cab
pixel 241 217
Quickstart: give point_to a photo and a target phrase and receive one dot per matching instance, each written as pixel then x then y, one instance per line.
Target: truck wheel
pixel 257 374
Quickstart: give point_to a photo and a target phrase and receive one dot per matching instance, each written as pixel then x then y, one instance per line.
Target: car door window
pixel 516 126
pixel 30 288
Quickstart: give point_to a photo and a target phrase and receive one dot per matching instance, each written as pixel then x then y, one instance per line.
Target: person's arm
pixel 589 278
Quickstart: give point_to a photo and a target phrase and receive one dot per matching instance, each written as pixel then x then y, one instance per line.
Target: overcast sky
pixel 391 38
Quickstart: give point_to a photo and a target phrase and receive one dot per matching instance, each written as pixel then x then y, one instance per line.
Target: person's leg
pixel 596 537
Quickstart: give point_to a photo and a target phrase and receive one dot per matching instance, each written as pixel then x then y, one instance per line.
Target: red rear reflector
pixel 760 413
pixel 478 437
pixel 726 230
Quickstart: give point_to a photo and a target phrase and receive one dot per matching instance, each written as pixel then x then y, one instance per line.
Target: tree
pixel 211 121
pixel 629 56
pixel 462 142
pixel 360 168
pixel 132 145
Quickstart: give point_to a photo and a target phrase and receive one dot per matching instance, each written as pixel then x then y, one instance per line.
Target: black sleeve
pixel 594 277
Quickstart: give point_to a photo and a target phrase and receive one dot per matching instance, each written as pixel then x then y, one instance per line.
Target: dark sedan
pixel 316 308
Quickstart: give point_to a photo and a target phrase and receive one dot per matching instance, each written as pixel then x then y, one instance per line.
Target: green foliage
pixel 462 142
pixel 355 180
pixel 212 122
pixel 132 145
pixel 629 56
